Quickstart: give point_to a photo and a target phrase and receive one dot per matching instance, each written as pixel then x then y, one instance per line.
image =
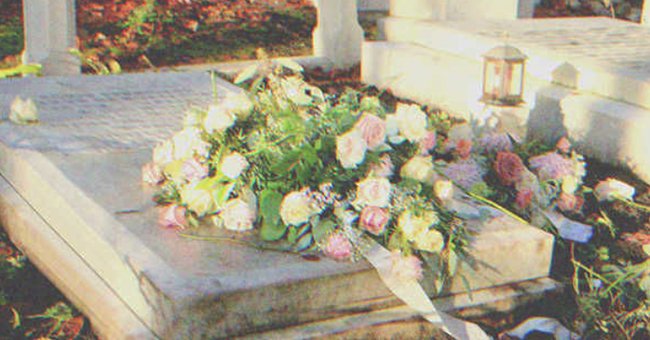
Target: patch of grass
pixel 11 41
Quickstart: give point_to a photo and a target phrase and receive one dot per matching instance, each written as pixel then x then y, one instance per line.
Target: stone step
pixel 604 56
pixel 449 76
pixel 79 170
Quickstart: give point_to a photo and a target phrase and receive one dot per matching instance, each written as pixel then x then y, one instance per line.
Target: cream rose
pixel 163 153
pixel 419 168
pixel 412 122
pixel 373 130
pixel 443 189
pixel 187 142
pixel 297 208
pixel 23 111
pixel 198 200
pixel 350 149
pixel 218 119
pixel 430 240
pixel 611 189
pixel 238 215
pixel 412 226
pixel 374 191
pixel 233 165
pixel 238 103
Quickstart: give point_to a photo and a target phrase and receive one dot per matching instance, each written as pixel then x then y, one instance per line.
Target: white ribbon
pixel 411 293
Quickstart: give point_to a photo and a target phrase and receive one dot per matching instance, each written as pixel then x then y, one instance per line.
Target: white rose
pixel 238 215
pixel 374 191
pixel 218 119
pixel 163 153
pixel 392 129
pixel 238 103
pixel 23 111
pixel 198 200
pixel 297 207
pixel 233 165
pixel 187 142
pixel 419 168
pixel 350 149
pixel 610 189
pixel 412 122
pixel 415 227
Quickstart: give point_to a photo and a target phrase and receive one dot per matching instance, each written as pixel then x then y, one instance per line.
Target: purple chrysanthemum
pixel 495 142
pixel 465 173
pixel 551 165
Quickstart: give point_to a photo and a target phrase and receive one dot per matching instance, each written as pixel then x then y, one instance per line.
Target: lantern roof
pixel 505 52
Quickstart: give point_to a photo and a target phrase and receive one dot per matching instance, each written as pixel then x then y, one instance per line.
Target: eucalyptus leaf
pixel 272 231
pixel 292 236
pixel 322 230
pixel 270 201
pixel 305 242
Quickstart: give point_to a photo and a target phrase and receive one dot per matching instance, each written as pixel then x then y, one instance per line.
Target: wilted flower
pixel 569 202
pixel 508 167
pixel 563 145
pixel 194 170
pixel 372 129
pixel 419 168
pixel 464 148
pixel 350 149
pixel 233 165
pixel 374 191
pixel 524 198
pixel 443 189
pixel 23 111
pixel 172 216
pixel 412 122
pixel 198 200
pixel 152 174
pixel 495 142
pixel 551 165
pixel 611 189
pixel 428 143
pixel 297 207
pixel 218 119
pixel 405 267
pixel 238 215
pixel 384 168
pixel 374 219
pixel 337 247
pixel 465 173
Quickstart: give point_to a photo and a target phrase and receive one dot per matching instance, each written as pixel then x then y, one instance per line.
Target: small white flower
pixel 611 189
pixel 218 119
pixel 198 200
pixel 238 215
pixel 233 165
pixel 350 149
pixel 412 122
pixel 374 191
pixel 23 111
pixel 188 142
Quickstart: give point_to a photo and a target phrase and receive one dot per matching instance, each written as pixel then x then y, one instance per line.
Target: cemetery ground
pixel 601 278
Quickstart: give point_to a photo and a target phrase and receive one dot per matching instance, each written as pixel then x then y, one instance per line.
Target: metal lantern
pixel 503 76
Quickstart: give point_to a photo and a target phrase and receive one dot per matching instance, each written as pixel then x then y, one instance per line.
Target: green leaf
pixel 222 193
pixel 293 235
pixel 246 74
pixel 304 242
pixel 270 201
pixel 272 231
pixel 15 323
pixel 321 230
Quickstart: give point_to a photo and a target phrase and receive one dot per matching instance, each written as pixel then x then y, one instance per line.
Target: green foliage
pixel 21 70
pixel 11 37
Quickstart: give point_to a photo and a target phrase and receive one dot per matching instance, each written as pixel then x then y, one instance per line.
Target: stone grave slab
pixel 71 197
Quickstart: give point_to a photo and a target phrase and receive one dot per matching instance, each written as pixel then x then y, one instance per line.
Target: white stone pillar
pixel 419 9
pixel 645 14
pixel 50 31
pixel 338 35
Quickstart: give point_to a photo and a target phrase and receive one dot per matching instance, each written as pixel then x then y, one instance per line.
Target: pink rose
pixel 508 167
pixel 373 130
pixel 563 145
pixel 428 143
pixel 152 174
pixel 569 203
pixel 172 216
pixel 193 170
pixel 338 247
pixel 464 148
pixel 374 219
pixel 524 198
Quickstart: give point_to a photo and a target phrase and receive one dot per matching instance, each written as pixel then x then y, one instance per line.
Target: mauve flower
pixel 406 267
pixel 464 173
pixel 172 216
pixel 551 165
pixel 374 219
pixel 524 198
pixel 464 148
pixel 337 247
pixel 563 145
pixel 194 170
pixel 152 174
pixel 495 142
pixel 428 143
pixel 374 191
pixel 508 167
pixel 373 130
pixel 569 202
